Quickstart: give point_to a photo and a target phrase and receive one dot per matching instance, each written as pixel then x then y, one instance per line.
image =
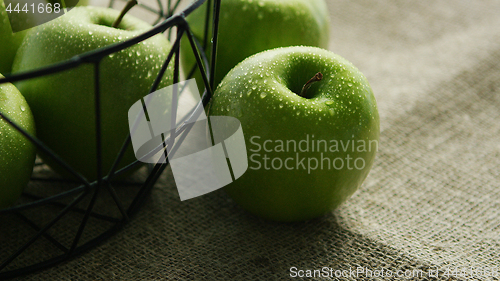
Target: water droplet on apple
pixel 90 32
pixel 331 111
pixel 22 108
pixel 281 105
pixel 263 95
pixel 329 102
pixel 254 87
pixel 298 113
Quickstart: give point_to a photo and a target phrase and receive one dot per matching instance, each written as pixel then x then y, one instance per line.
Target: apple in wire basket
pixel 63 104
pixel 17 153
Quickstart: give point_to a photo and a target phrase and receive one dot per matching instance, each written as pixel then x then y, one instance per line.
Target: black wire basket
pixel 57 219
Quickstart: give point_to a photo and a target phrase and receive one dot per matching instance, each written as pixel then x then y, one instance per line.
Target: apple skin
pixel 261 93
pixel 63 103
pixel 17 153
pixel 10 41
pixel 247 27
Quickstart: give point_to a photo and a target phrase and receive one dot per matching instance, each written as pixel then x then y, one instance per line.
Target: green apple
pixel 247 27
pixel 63 103
pixel 310 145
pixel 10 41
pixel 17 153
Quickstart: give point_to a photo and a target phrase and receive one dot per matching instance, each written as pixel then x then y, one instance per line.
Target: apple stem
pixel 317 77
pixel 127 7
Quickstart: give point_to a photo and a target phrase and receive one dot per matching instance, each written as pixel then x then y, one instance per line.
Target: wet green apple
pixel 247 27
pixel 311 128
pixel 17 153
pixel 63 103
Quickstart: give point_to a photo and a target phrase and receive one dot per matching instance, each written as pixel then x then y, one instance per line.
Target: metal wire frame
pixel 91 190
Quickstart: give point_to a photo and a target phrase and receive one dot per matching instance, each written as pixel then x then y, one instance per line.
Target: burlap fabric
pixel 431 201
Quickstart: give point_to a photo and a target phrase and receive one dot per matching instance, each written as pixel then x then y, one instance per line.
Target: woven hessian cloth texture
pixel 431 201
